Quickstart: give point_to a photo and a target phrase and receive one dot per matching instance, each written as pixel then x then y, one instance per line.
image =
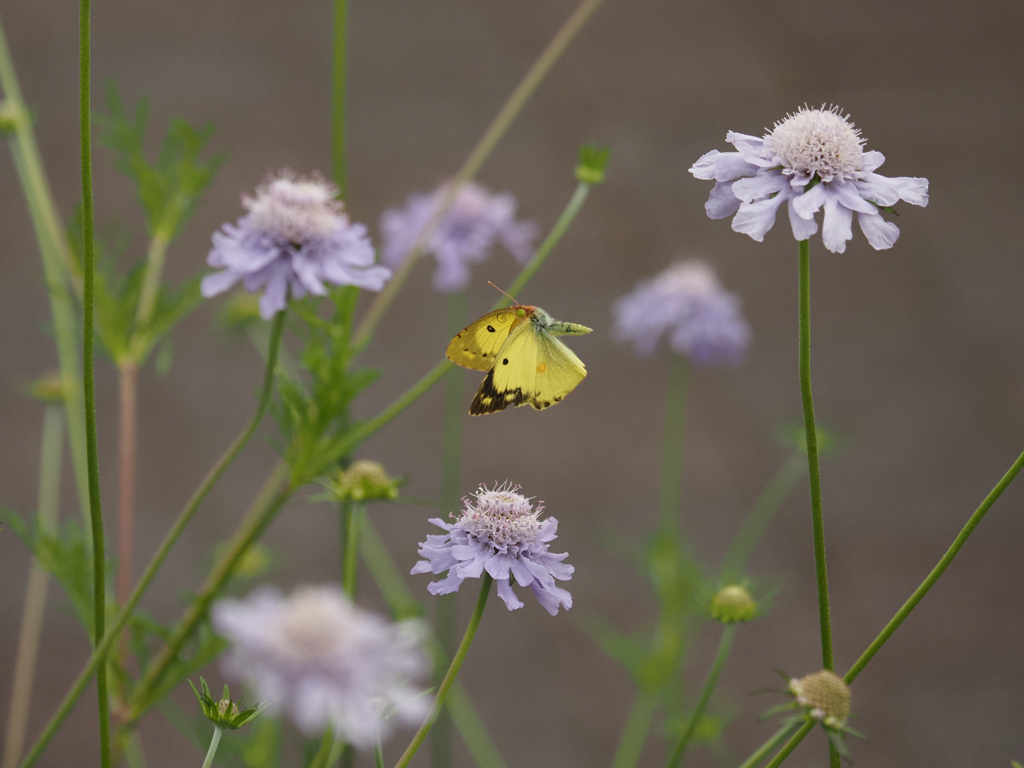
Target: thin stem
pixel 769 746
pixel 378 756
pixel 339 62
pixel 354 521
pixel 728 632
pixel 449 678
pixel 821 572
pixel 125 613
pixel 754 526
pixel 494 133
pixel 936 572
pixel 634 732
pixel 270 500
pixel 214 743
pixel 156 255
pixel 672 457
pixel 56 258
pixel 38 584
pixel 99 585
pixel 335 754
pixel 128 387
pixel 790 745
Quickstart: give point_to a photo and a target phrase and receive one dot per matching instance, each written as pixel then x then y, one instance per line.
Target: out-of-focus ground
pixel 918 351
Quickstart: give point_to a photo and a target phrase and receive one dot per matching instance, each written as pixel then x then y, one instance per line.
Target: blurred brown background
pixel 918 352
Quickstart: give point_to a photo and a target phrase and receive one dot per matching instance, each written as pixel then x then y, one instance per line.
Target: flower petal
pixel 722 203
pixel 505 593
pixel 755 219
pixel 802 228
pixel 837 226
pixel 881 234
pixel 756 187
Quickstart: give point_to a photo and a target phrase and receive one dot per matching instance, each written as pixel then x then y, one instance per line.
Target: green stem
pixel 821 572
pixel 125 613
pixel 99 583
pixel 270 500
pixel 494 133
pixel 919 593
pixel 769 746
pixel 56 258
pixel 634 733
pixel 354 518
pixel 672 458
pixel 936 572
pixel 449 678
pixel 728 632
pixel 214 743
pixel 451 477
pixel 790 745
pixel 38 585
pixel 156 255
pixel 339 66
pixel 378 756
pixel 754 526
pixel 335 754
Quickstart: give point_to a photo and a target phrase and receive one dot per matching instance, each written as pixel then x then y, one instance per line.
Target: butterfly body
pixel 524 361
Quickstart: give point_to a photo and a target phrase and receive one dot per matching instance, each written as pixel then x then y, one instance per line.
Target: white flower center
pixel 312 626
pixel 295 210
pixel 817 141
pixel 688 278
pixel 502 516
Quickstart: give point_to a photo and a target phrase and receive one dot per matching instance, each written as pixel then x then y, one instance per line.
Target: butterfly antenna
pixel 514 301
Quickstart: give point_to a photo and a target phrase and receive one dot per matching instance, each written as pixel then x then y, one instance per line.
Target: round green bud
pixel 825 695
pixel 363 481
pixel 733 603
pixel 49 388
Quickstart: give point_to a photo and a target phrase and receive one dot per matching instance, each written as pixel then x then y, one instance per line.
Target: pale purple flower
pixel 701 319
pixel 294 239
pixel 501 532
pixel 324 662
pixel 812 160
pixel 474 223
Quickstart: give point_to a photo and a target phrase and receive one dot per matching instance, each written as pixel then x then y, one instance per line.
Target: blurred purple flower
pixel 324 662
pixel 812 159
pixel 296 237
pixel 465 236
pixel 701 319
pixel 498 531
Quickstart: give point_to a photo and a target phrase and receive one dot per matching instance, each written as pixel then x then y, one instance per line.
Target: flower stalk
pixel 214 743
pixel 449 678
pixel 672 455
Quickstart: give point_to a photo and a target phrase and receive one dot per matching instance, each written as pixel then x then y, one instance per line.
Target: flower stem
pixel 449 678
pixel 335 754
pixel 99 584
pixel 38 584
pixel 128 417
pixel 125 613
pixel 353 518
pixel 766 749
pixel 214 743
pixel 494 133
pixel 728 632
pixel 634 732
pixel 915 598
pixel 672 457
pixel 817 520
pixel 792 744
pixel 57 269
pixel 778 489
pixel 339 66
pixel 378 756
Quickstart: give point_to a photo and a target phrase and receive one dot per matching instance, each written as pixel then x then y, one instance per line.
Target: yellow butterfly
pixel 524 361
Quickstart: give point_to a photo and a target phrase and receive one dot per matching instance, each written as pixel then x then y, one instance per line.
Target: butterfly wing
pixel 532 367
pixel 477 345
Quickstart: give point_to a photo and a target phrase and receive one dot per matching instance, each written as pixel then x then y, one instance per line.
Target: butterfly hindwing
pixel 477 345
pixel 532 367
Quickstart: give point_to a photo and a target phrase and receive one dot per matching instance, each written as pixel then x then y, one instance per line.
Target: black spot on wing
pixel 490 328
pixel 489 400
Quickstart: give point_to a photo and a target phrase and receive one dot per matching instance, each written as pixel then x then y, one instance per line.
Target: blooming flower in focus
pixel 701 319
pixel 324 662
pixel 501 532
pixel 465 235
pixel 295 238
pixel 812 160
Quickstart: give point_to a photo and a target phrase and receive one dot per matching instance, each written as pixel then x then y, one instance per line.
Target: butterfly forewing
pixel 476 346
pixel 558 372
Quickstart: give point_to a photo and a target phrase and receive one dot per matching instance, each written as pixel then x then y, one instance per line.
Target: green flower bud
pixel 224 713
pixel 733 603
pixel 363 481
pixel 593 161
pixel 49 388
pixel 825 695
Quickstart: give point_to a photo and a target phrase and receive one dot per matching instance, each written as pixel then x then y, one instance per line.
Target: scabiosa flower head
pixel 294 238
pixel 474 223
pixel 501 532
pixel 825 695
pixel 323 661
pixel 814 159
pixel 686 302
